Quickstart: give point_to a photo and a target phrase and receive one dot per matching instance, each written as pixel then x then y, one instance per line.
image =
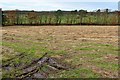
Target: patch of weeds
pixel 20 48
pixel 108 51
pixel 43 49
pixel 105 65
pixel 15 46
pixel 0 43
pixel 115 48
pixel 91 55
pixel 84 49
pixel 17 61
pixel 77 73
pixel 84 58
pixel 97 45
pixel 57 52
pixel 106 45
pixel 60 52
pixel 31 51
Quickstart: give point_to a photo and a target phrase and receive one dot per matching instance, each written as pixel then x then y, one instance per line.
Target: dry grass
pixel 86 48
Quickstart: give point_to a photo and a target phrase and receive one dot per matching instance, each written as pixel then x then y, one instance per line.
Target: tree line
pixel 59 17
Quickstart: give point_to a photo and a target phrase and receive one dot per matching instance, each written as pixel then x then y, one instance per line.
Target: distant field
pixel 83 51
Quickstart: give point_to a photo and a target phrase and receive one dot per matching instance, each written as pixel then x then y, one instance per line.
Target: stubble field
pixel 71 51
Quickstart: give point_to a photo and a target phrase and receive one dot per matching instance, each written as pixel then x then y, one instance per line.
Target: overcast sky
pixel 47 5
